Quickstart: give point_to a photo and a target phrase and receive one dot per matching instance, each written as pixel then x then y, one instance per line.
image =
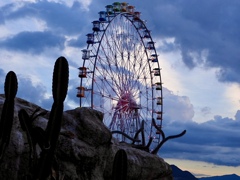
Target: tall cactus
pixel 59 88
pixel 6 121
pixel 34 135
pixel 119 171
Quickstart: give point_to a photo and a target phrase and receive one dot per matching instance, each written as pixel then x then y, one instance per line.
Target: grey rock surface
pixel 85 149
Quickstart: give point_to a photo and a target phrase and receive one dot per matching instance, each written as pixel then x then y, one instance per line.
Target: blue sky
pixel 198 46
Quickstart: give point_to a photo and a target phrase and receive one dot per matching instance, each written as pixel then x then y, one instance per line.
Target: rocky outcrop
pixel 85 149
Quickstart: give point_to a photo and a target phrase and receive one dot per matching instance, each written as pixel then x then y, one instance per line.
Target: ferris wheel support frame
pixel 131 18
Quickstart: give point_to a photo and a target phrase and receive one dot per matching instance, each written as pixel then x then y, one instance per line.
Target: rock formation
pixel 85 149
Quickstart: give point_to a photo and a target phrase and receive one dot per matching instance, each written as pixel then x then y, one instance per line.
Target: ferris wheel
pixel 120 74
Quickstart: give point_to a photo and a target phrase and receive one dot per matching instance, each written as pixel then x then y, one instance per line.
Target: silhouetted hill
pixel 178 174
pixel 224 177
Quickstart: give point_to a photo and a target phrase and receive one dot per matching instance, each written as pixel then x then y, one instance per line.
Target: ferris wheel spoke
pixel 103 64
pixel 108 87
pixel 110 73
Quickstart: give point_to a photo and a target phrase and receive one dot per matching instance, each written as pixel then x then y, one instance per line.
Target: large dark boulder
pixel 85 149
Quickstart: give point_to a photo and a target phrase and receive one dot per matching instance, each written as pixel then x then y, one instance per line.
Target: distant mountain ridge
pixel 224 177
pixel 179 174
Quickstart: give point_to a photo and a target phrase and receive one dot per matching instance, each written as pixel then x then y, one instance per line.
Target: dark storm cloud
pixel 28 91
pixel 198 26
pixel 215 141
pixel 229 74
pixel 72 91
pixel 34 42
pixel 60 20
pixel 79 42
pixel 1 74
pixel 1 18
pixel 58 17
pixel 33 93
pixel 37 93
pixel 72 63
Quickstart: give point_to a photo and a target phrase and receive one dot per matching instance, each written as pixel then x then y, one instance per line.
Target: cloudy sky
pixel 198 46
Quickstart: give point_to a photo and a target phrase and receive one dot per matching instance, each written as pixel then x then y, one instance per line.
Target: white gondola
pixel 82 72
pixel 150 45
pixel 154 58
pixel 156 71
pixel 96 26
pixel 159 101
pixel 109 9
pixel 158 86
pixel 102 16
pixel 90 38
pixel 85 54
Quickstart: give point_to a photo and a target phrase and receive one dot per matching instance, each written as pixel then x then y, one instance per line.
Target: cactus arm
pixel 33 116
pixel 60 80
pixel 159 129
pixel 26 126
pixel 143 134
pixel 59 88
pixel 165 140
pixel 54 126
pixel 134 139
pixel 141 130
pixel 38 136
pixel 143 146
pixel 11 86
pixel 34 136
pixel 149 143
pixel 127 136
pixel 6 121
pixel 34 112
pixel 119 171
pixel 146 148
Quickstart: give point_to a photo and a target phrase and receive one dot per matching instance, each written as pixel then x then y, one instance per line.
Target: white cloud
pixel 177 108
pixel 232 94
pixel 15 3
pixel 13 27
pixel 85 3
pixel 201 85
pixel 170 76
pixel 34 67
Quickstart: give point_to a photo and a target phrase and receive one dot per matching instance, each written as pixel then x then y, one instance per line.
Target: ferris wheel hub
pixel 127 103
